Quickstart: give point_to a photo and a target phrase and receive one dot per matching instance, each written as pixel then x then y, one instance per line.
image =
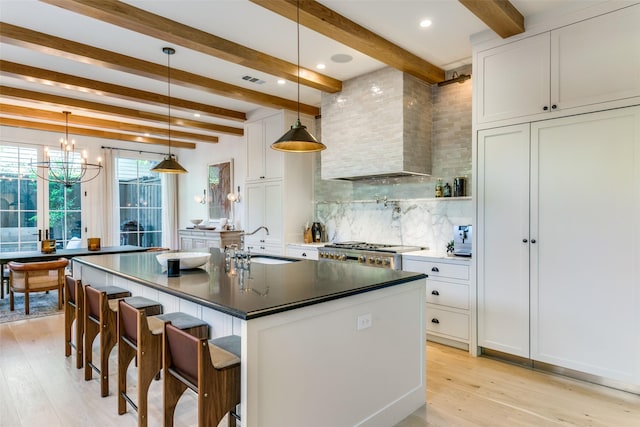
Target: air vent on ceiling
pixel 253 80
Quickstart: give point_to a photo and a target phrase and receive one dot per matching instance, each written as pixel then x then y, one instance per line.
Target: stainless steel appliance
pixel 462 237
pixel 378 255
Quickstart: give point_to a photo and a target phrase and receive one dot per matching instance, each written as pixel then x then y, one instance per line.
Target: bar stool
pixel 100 317
pixel 210 368
pixel 73 310
pixel 140 336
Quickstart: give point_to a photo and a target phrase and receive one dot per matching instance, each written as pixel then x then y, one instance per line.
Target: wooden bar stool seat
pixel 73 311
pixel 100 316
pixel 209 368
pixel 140 336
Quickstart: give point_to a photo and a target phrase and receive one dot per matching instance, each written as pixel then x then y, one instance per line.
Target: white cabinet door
pixel 274 128
pixel 274 212
pixel 265 208
pixel 596 60
pixel 255 150
pixel 262 161
pixel 513 80
pixel 255 213
pixel 585 280
pixel 503 235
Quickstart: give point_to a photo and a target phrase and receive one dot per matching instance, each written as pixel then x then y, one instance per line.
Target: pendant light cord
pixel 169 53
pixel 298 47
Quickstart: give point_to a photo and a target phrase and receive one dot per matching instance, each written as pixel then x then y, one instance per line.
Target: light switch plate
pixel 364 321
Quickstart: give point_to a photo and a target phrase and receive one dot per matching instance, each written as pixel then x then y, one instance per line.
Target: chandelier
pixel 68 167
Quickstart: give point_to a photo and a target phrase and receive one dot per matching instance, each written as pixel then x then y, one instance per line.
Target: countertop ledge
pixel 435 255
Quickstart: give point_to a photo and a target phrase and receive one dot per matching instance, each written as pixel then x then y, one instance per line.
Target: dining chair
pixel 38 276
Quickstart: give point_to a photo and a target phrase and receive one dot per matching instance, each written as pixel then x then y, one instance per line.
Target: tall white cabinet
pixel 558 250
pixel 279 186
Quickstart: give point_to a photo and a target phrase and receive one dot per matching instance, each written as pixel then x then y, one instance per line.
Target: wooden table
pixel 31 256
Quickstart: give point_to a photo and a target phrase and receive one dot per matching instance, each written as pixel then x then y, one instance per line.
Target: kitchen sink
pixel 261 259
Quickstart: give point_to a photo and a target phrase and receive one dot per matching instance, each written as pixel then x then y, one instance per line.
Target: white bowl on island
pixel 187 259
pixel 196 222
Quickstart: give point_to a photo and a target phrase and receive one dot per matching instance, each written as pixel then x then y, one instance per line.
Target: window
pixel 18 200
pixel 140 194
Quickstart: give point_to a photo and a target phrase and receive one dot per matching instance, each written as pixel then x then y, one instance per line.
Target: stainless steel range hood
pixel 379 126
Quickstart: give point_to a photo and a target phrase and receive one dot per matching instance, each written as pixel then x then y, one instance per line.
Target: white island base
pixel 313 367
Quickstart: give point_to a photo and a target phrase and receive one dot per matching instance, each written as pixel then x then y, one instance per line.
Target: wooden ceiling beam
pixel 325 21
pixel 499 15
pixel 13 69
pixel 27 124
pixel 44 43
pixel 129 113
pixel 103 58
pixel 138 20
pixel 90 122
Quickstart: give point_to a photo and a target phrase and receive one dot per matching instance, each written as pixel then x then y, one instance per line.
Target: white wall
pixel 193 183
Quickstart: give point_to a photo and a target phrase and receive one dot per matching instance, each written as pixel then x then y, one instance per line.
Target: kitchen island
pixel 323 343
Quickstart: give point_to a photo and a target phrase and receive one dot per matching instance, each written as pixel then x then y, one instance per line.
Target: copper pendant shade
pixel 169 164
pixel 298 139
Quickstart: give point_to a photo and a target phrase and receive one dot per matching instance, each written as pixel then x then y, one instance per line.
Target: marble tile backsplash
pixel 418 222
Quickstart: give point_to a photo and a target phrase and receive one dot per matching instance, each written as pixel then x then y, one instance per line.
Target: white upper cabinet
pixel 513 80
pixel 262 161
pixel 587 66
pixel 596 60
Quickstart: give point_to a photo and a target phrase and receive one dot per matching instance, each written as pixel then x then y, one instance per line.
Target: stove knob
pixel 321 255
pixel 379 261
pixel 362 259
pixel 343 257
pixel 387 262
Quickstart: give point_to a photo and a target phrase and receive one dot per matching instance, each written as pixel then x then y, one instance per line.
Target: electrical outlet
pixel 364 321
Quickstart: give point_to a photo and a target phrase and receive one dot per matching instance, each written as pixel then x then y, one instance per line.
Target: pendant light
pixel 169 164
pixel 298 139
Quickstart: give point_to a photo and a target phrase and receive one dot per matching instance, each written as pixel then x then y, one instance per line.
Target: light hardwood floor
pixel 40 387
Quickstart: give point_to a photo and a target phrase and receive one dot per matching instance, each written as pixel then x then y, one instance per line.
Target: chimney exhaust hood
pixel 379 126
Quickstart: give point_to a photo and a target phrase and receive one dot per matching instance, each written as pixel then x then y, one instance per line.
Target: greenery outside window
pixel 140 201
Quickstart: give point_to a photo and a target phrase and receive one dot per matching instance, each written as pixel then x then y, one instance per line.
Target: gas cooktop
pixel 375 247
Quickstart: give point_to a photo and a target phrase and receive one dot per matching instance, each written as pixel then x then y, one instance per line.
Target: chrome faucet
pixel 250 234
pixel 256 230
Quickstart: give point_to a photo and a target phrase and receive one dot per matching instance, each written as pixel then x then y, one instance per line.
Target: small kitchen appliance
pixel 462 237
pixel 378 255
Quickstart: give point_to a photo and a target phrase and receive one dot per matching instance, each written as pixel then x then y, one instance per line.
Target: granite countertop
pixel 259 291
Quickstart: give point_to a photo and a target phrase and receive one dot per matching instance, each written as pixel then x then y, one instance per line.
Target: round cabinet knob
pixel 434 320
pixel 304 254
pixel 533 240
pixel 524 240
pixel 545 108
pixel 435 292
pixel 554 106
pixel 435 269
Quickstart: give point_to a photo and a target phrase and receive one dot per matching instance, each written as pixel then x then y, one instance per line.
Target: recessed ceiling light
pixel 425 23
pixel 321 66
pixel 196 114
pixel 341 58
pixel 281 81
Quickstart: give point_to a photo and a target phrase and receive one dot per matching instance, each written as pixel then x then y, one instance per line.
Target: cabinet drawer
pixel 262 248
pixel 455 325
pixel 451 271
pixel 449 294
pixel 302 253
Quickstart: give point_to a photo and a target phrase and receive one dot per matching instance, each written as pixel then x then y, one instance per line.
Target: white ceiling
pixel 444 44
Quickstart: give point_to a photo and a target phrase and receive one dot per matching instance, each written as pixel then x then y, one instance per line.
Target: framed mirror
pixel 219 184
